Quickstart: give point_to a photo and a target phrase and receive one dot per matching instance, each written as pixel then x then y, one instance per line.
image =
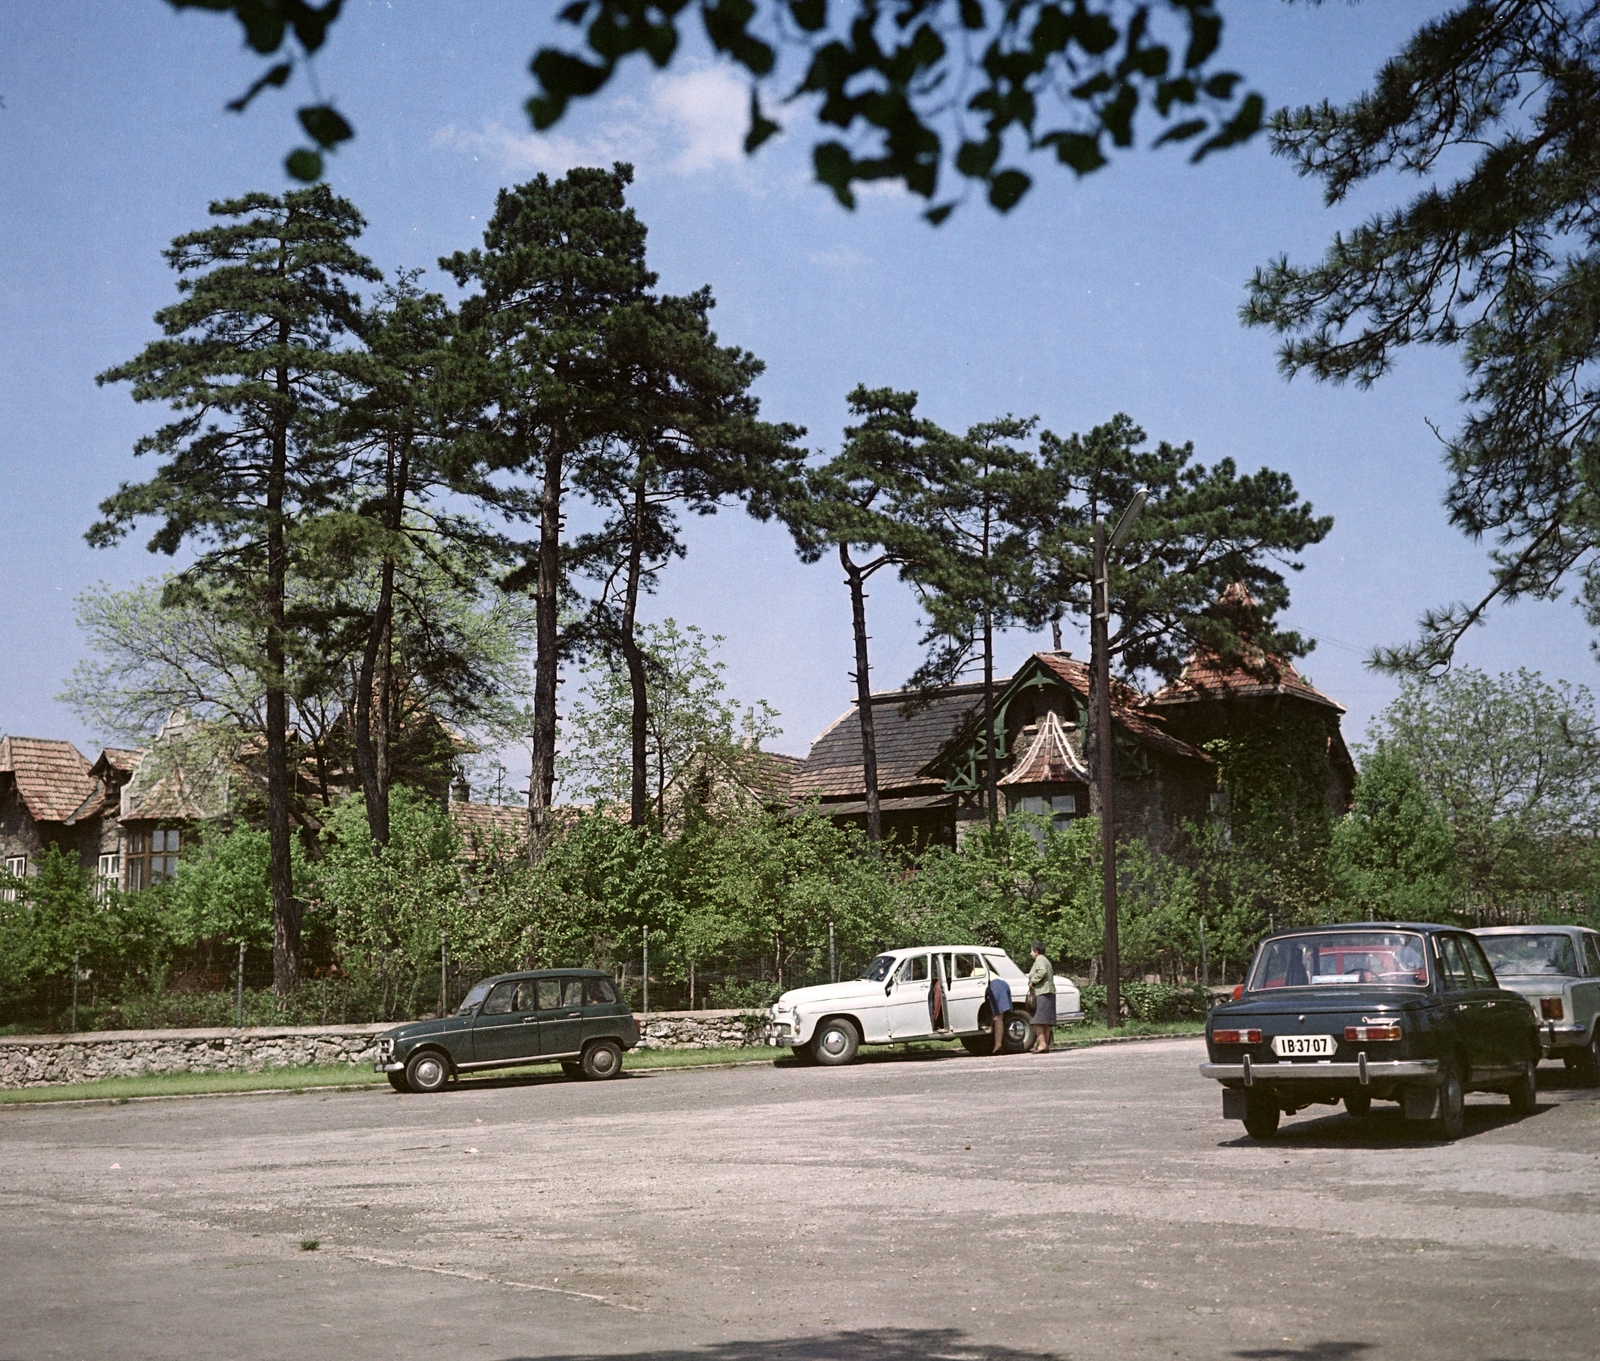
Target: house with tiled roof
pixel 932 751
pixel 52 795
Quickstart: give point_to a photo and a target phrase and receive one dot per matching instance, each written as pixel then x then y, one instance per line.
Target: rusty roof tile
pixel 52 777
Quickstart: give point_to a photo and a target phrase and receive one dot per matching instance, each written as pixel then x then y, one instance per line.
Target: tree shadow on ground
pixel 1385 1128
pixel 910 1344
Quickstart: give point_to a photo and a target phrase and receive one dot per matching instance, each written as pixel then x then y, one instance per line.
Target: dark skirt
pixel 1044 1008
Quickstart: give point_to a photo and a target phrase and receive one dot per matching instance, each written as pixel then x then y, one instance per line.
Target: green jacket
pixel 1042 976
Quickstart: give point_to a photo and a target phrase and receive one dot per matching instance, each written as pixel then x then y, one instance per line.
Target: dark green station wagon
pixel 569 1016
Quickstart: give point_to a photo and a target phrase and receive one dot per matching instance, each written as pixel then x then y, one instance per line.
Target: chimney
pixel 460 790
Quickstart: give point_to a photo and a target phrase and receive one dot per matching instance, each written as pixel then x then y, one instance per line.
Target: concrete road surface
pixel 1082 1205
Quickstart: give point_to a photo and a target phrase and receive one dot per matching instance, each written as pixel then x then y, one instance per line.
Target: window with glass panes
pixel 16 868
pixel 151 857
pixel 106 876
pixel 1060 808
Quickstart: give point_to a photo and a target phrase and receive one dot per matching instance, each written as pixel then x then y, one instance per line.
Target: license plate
pixel 1302 1046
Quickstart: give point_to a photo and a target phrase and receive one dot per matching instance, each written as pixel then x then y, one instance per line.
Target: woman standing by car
pixel 1042 989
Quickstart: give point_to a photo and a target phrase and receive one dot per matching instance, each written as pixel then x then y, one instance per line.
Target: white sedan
pixel 897 1000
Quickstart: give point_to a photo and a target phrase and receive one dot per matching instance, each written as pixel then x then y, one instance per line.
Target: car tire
pixel 1451 1122
pixel 1018 1031
pixel 1359 1105
pixel 602 1060
pixel 1524 1092
pixel 1261 1116
pixel 427 1071
pixel 835 1042
pixel 1587 1066
pixel 572 1068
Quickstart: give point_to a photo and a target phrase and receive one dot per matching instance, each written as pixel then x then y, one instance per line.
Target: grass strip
pixel 195 1084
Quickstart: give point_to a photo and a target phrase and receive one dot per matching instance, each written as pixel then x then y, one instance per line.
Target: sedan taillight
pixel 1550 1008
pixel 1236 1036
pixel 1359 1034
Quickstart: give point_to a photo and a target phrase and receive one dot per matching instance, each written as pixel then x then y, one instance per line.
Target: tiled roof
pixel 1050 760
pixel 905 743
pixel 1207 676
pixel 1125 706
pixel 52 777
pixel 481 823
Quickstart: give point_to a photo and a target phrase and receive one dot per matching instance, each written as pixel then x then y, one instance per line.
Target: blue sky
pixel 1116 293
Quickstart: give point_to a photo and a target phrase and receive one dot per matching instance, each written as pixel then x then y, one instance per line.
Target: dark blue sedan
pixel 1373 1012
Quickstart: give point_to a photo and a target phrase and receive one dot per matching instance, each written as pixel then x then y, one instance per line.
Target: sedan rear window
pixel 1324 959
pixel 1531 955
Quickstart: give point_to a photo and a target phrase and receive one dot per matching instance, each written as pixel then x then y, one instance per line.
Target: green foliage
pixel 222 890
pixel 880 71
pixel 1495 107
pixel 1394 857
pixel 1512 764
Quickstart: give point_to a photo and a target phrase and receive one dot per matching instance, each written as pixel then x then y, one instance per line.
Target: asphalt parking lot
pixel 1087 1204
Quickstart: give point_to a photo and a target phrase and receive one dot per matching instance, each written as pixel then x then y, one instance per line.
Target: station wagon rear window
pixel 1531 955
pixel 1332 959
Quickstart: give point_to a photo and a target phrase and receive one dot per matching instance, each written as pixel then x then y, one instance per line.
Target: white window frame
pixel 16 866
pixel 109 874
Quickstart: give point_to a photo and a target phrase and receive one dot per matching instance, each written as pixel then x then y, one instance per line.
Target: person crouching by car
pixel 1042 989
pixel 999 994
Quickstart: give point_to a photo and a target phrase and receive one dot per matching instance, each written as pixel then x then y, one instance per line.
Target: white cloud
pixel 688 123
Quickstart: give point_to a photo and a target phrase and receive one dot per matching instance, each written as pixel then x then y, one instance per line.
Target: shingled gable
pixel 906 742
pixel 52 777
pixel 1050 760
pixel 1059 668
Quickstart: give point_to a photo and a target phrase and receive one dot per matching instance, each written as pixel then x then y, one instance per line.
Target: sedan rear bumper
pixel 1426 1071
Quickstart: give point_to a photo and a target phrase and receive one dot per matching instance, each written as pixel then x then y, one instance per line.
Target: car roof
pixel 973 949
pixel 546 973
pixel 1423 927
pixel 1530 930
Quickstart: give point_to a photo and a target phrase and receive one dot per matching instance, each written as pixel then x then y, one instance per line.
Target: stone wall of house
pixel 46 1060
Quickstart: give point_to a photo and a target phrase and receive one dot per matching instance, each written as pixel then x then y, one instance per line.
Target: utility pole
pixel 443 960
pixel 238 991
pixel 1205 971
pixel 833 966
pixel 1100 665
pixel 647 971
pixel 74 992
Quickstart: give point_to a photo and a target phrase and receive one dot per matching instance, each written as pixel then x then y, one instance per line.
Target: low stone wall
pixel 44 1060
pixel 701 1029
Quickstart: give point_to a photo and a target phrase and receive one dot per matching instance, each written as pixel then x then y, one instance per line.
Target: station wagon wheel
pixel 427 1071
pixel 1261 1116
pixel 602 1059
pixel 835 1042
pixel 398 1082
pixel 1524 1092
pixel 1451 1123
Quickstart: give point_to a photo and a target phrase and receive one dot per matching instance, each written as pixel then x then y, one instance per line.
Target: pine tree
pixel 558 259
pixel 858 503
pixel 251 365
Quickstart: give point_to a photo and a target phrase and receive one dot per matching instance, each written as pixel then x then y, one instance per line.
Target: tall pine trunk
pixel 547 664
pixel 991 784
pixel 285 911
pixel 639 798
pixel 373 691
pixel 869 734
